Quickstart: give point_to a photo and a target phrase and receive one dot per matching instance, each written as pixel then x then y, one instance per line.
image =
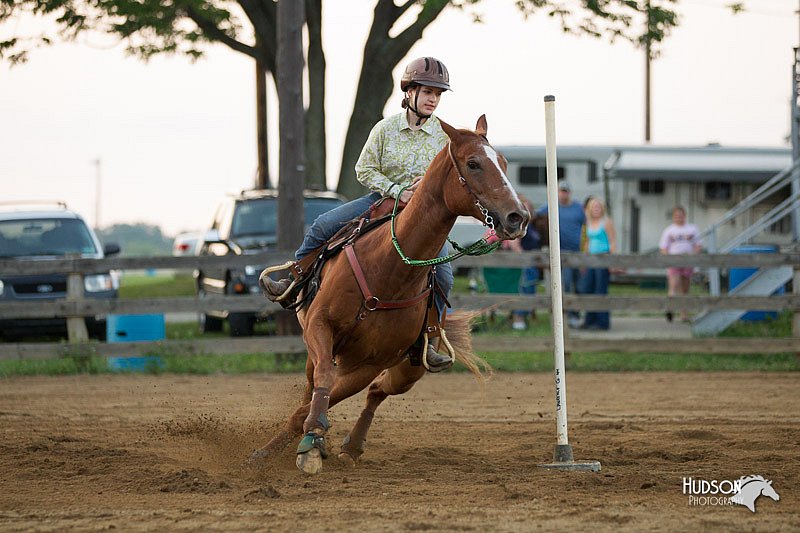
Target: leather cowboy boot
pixel 436 361
pixel 273 289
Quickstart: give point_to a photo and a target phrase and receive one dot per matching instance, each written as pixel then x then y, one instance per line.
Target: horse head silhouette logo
pixel 751 488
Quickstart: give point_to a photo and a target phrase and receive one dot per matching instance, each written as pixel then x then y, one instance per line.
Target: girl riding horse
pixel 346 354
pixel 398 151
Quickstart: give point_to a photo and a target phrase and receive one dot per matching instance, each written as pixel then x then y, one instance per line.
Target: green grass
pixel 170 363
pixel 158 286
pixel 771 327
pixel 621 362
pixel 500 361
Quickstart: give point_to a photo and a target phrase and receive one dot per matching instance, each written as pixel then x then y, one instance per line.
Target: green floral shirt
pixel 395 154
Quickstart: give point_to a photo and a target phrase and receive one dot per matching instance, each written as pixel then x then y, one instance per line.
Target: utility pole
pixel 97 191
pixel 795 131
pixel 291 175
pixel 647 60
pixel 291 16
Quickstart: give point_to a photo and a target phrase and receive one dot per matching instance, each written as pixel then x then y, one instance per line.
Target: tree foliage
pixel 186 27
pixel 137 239
pixel 147 27
pixel 637 21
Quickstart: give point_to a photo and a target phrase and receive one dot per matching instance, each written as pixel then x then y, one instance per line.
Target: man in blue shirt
pixel 571 219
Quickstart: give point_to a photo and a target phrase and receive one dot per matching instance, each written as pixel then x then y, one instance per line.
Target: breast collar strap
pixel 372 302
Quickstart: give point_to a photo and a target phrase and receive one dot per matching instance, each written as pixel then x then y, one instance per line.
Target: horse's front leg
pixel 312 449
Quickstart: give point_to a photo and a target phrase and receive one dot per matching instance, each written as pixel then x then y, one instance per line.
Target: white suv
pixel 49 232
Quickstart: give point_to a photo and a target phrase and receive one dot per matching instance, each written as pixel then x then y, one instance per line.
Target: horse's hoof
pixel 347 460
pixel 310 462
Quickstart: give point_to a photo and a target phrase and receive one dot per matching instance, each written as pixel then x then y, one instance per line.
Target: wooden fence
pixel 75 307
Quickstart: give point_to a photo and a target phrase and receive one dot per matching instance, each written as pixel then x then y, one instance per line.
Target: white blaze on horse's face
pixel 492 155
pixel 509 189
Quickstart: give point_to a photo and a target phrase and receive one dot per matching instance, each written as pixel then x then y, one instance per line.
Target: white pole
pixel 555 267
pixel 562 457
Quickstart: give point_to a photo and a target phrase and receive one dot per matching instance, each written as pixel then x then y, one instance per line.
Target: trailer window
pixel 591 169
pixel 536 175
pixel 651 186
pixel 718 190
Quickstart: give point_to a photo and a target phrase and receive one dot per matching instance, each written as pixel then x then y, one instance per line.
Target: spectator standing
pixel 679 238
pixel 601 238
pixel 571 219
pixel 529 275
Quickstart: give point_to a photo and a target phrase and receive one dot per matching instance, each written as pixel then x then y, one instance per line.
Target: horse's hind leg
pixel 396 380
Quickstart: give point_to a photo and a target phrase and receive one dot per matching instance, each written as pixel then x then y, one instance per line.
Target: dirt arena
pixel 163 453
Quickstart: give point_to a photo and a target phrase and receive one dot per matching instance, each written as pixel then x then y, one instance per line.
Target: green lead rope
pixel 481 247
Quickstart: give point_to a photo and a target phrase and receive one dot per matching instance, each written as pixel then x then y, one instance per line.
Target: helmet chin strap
pixel 420 116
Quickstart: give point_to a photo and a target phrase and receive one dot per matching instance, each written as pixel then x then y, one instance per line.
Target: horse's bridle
pixel 480 247
pixel 488 221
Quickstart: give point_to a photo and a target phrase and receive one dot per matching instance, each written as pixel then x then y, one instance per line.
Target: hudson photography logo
pixel 743 491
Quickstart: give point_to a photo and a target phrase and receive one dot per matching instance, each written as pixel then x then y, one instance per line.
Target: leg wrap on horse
pixel 317 417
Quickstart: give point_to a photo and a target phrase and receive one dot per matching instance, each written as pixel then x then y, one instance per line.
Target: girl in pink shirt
pixel 679 238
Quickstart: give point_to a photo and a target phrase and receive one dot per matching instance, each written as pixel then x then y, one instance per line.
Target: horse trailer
pixel 641 184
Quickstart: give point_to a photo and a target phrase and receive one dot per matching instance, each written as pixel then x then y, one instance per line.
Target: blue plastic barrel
pixel 737 276
pixel 131 328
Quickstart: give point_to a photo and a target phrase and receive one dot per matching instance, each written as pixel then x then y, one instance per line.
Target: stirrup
pixel 276 268
pixel 449 347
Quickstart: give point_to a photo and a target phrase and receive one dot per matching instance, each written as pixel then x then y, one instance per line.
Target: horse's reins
pixel 480 247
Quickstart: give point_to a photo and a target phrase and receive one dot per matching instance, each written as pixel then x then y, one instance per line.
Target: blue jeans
pixel 570 278
pixel 327 224
pixel 595 281
pixel 527 285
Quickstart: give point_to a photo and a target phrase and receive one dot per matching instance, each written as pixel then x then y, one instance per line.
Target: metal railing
pixel 710 236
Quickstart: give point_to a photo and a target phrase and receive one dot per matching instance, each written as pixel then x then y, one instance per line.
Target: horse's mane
pixel 744 480
pixel 440 160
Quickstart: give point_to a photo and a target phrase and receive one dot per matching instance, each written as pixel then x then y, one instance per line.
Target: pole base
pixel 563 460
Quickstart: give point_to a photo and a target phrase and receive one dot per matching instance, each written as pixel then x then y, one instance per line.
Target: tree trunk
pixel 381 54
pixel 291 121
pixel 374 88
pixel 262 154
pixel 315 115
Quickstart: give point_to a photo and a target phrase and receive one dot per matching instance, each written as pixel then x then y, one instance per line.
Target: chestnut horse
pixel 464 177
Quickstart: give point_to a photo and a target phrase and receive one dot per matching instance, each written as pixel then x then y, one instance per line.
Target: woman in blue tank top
pixel 601 238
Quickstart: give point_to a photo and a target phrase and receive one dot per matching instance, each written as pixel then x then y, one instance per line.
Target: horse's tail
pixel 457 328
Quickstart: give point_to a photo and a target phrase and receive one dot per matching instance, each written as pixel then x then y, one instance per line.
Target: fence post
pixel 76 325
pixel 796 310
pixel 713 272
